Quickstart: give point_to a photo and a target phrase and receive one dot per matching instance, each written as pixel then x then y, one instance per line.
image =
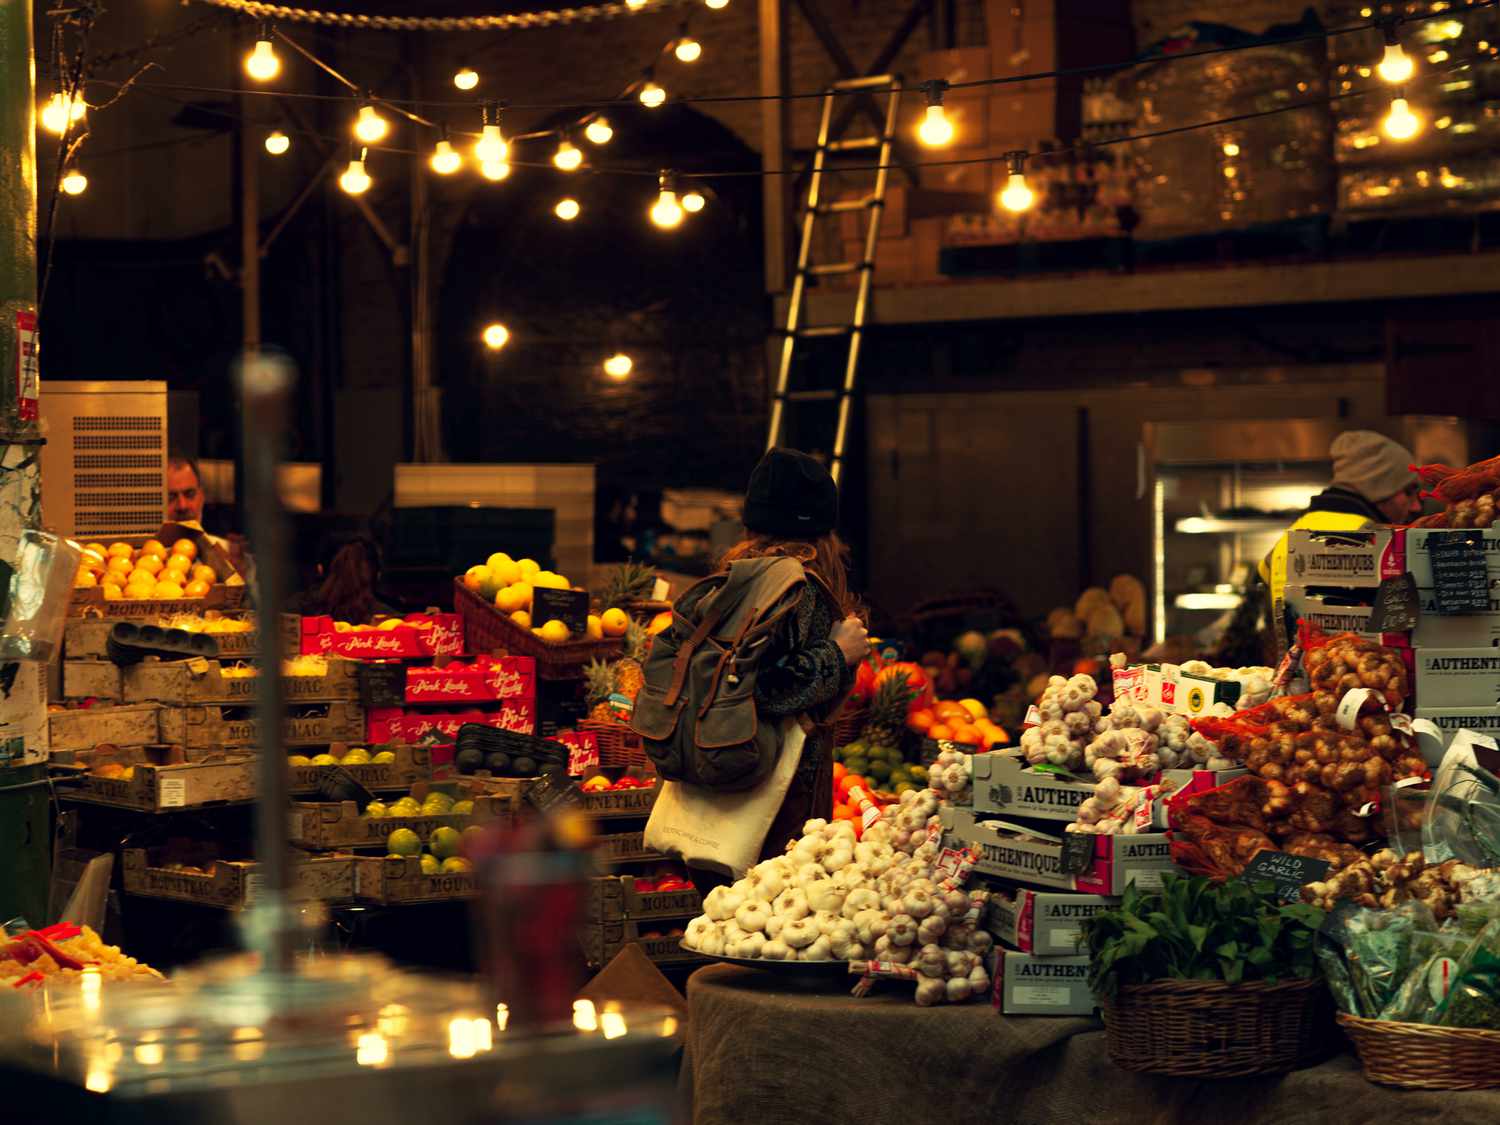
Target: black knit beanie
pixel 791 495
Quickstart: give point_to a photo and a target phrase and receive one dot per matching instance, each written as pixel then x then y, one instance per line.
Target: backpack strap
pixel 709 623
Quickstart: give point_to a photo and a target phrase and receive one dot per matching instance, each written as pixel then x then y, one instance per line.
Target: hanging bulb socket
pixel 369 125
pixel 935 131
pixel 262 63
pixel 277 142
pixel 445 159
pixel 1400 123
pixel 1395 66
pixel 73 181
pixel 1017 195
pixel 491 147
pixel 466 77
pixel 651 95
pixel 667 212
pixel 599 131
pixel 568 157
pixel 355 180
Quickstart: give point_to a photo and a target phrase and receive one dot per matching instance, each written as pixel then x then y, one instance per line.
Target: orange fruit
pixel 968 735
pixel 940 732
pixel 112 593
pixel 167 589
pixel 138 592
pixel 614 622
pixel 843 812
pixel 120 551
pixel 185 547
pixel 197 588
pixel 839 770
pixel 521 618
pixel 151 564
pixel 204 573
pixel 154 547
pixel 96 548
pixel 119 564
pixel 921 721
pixel 85 579
pixel 849 781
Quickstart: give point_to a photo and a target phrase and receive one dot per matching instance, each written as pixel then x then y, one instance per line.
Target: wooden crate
pixel 234 884
pixel 181 683
pixel 394 882
pixel 207 727
pixel 602 940
pixel 152 788
pixel 92 679
pixel 624 847
pixel 613 898
pixel 620 804
pixel 412 764
pixel 88 637
pixel 507 792
pixel 131 725
pixel 338 824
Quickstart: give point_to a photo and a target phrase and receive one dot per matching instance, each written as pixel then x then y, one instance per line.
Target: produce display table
pixel 761 1050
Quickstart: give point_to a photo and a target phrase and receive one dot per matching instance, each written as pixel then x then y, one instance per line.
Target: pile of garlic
pixel 1069 716
pixel 951 777
pixel 1255 683
pixel 832 898
pixel 1118 810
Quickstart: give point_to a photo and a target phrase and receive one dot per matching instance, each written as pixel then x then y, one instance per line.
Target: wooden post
pixel 775 142
pixel 249 227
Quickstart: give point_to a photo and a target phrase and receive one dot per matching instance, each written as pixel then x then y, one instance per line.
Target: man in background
pixel 184 491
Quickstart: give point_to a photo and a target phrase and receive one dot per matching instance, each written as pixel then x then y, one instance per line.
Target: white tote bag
pixel 724 831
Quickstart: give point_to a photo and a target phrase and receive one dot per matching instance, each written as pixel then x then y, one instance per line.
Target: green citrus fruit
pixel 403 841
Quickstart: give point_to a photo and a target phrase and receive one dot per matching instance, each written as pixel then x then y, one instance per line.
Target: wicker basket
pixel 619 746
pixel 848 724
pixel 1418 1056
pixel 487 630
pixel 1209 1029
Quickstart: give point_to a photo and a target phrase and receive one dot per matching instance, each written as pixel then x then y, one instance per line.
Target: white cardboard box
pixel 1451 720
pixel 1026 985
pixel 1006 785
pixel 1458 677
pixel 1169 688
pixel 1419 562
pixel 1043 923
pixel 1344 558
pixel 1330 612
pixel 1467 630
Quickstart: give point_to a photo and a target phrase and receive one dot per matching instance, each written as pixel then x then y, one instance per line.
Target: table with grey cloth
pixel 760 1050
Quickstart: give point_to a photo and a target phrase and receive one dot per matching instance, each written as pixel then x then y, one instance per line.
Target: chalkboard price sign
pixel 1459 575
pixel 1078 852
pixel 571 607
pixel 1290 873
pixel 1396 605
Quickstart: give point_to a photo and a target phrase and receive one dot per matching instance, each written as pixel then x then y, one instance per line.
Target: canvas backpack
pixel 696 712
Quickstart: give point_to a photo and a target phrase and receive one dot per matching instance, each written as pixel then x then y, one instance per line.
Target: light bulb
pixel 74 182
pixel 666 212
pixel 1017 195
pixel 652 95
pixel 1231 149
pixel 355 180
pixel 59 111
pixel 496 336
pixel 277 142
pixel 445 159
pixel 1401 124
pixel 466 78
pixel 688 49
pixel 567 210
pixel 567 157
pixel 599 131
pixel 1395 65
pixel 618 366
pixel 491 147
pixel 716 5
pixel 693 201
pixel 494 170
pixel 261 63
pixel 936 130
pixel 369 126
pixel 635 5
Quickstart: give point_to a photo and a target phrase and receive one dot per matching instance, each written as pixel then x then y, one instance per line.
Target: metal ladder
pixel 839 396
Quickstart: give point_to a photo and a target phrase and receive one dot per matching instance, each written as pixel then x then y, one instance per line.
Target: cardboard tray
pixel 613 898
pixel 397 882
pixel 207 727
pixel 321 825
pixel 602 940
pixel 1116 860
pixel 131 725
pixel 1027 985
pixel 180 683
pixel 234 884
pixel 165 788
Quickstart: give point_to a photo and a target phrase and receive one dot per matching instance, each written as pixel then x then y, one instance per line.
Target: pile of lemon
pixel 152 572
pixel 509 584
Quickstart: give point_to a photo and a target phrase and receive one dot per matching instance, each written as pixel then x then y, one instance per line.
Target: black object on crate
pixel 337 784
pixel 382 684
pixel 129 643
pixel 505 753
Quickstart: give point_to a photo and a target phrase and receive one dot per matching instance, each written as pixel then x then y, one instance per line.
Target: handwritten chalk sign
pixel 1460 578
pixel 571 607
pixel 1078 852
pixel 1290 873
pixel 1396 605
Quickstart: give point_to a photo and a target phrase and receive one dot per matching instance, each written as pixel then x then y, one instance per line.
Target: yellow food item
pixel 521 618
pixel 504 570
pixel 112 593
pixel 196 589
pixel 138 593
pixel 528 568
pixel 239 672
pixel 342 627
pixel 85 579
pixel 105 960
pixel 119 564
pixel 595 630
pixel 390 623
pixel 91 560
pixel 305 666
pixel 96 549
pixel 554 632
pixel 179 564
pixel 141 578
pixel 185 547
pixel 153 547
pixel 975 709
pixel 202 572
pixel 167 589
pixel 151 564
pixel 120 551
pixel 547 580
pixel 475 576
pixel 614 622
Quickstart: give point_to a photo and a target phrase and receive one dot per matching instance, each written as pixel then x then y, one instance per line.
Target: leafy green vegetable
pixel 1193 929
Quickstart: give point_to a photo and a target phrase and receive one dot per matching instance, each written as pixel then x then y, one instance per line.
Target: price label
pixel 1351 705
pixel 255 886
pixel 28 358
pixel 1288 873
pixel 1460 578
pixel 1078 852
pixel 173 792
pixel 1397 605
pixel 571 607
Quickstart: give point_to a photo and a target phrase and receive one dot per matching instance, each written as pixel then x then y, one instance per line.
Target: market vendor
pixel 1373 483
pixel 185 500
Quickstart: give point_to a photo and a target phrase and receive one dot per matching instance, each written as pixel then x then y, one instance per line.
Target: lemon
pixel 377 809
pixel 554 632
pixel 521 618
pixel 528 568
pixel 324 760
pixel 384 757
pixel 403 841
pixel 506 571
pixel 390 623
pixel 499 560
pixel 614 622
pixel 439 798
pixel 476 576
pixel 462 808
pixel 595 630
pixel 299 760
pixel 358 756
pixel 431 865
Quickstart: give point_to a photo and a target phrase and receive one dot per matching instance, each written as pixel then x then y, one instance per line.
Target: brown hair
pixel 348 588
pixel 826 558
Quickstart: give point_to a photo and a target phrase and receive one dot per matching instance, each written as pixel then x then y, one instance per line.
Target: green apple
pixel 403 841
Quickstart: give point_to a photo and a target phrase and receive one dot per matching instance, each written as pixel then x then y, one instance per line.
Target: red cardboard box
pixel 445 637
pixel 486 680
pixel 395 724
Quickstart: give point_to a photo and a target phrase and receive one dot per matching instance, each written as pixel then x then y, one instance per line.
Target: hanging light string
pixel 514 21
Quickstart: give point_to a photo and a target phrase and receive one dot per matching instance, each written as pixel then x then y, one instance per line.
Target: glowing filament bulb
pixel 355 180
pixel 369 126
pixel 716 5
pixel 496 336
pixel 635 5
pixel 617 367
pixel 1401 124
pixel 1017 195
pixel 1395 65
pixel 688 49
pixel 585 1017
pixel 261 63
pixel 567 210
pixel 936 130
pixel 74 182
pixel 494 170
pixel 666 212
pixel 445 159
pixel 277 142
pixel 466 78
pixel 692 201
pixel 491 147
pixel 567 157
pixel 652 95
pixel 599 131
pixel 59 112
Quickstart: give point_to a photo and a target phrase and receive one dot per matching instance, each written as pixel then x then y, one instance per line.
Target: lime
pixel 453 865
pixel 443 842
pixel 918 773
pixel 324 760
pixel 377 809
pixel 860 766
pixel 359 756
pixel 431 865
pixel 299 760
pixel 437 797
pixel 880 769
pixel 384 757
pixel 403 841
pixel 904 787
pixel 859 748
pixel 462 808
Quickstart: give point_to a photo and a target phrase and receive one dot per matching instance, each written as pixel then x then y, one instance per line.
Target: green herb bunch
pixel 1194 929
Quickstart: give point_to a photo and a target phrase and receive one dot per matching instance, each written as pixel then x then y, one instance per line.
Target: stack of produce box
pixel 429 699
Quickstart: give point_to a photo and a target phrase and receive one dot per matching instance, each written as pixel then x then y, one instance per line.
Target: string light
pixel 618 366
pixel 496 336
pixel 652 95
pixel 370 127
pixel 716 5
pixel 74 182
pixel 599 131
pixel 445 159
pixel 1400 124
pixel 491 147
pixel 494 170
pixel 693 201
pixel 936 131
pixel 355 180
pixel 466 78
pixel 567 209
pixel 567 157
pixel 60 112
pixel 635 5
pixel 1017 195
pixel 261 63
pixel 666 212
pixel 1396 66
pixel 687 49
pixel 277 142
pixel 1231 149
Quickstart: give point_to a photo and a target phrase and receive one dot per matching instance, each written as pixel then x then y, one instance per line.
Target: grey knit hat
pixel 1371 464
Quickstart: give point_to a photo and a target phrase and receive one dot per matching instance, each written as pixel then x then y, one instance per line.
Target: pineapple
pixel 629 679
pixel 893 695
pixel 631 583
pixel 599 683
